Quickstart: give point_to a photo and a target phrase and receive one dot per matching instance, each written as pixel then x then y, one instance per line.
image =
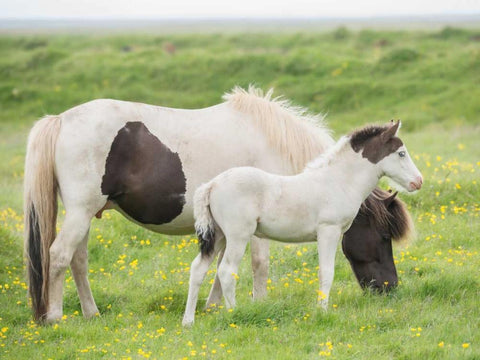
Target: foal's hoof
pixel 322 304
pixel 187 323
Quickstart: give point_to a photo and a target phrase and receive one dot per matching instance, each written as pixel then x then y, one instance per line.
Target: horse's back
pixel 140 156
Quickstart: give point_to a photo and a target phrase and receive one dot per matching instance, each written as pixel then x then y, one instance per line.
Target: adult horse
pixel 146 162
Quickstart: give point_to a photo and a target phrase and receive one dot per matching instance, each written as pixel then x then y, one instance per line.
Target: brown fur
pixel 359 137
pixel 143 176
pixel 376 142
pixel 393 220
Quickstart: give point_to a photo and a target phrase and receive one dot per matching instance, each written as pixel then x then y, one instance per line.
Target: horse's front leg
pixel 260 252
pixel 328 237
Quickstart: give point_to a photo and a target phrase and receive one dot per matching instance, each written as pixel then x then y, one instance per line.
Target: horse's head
pixel 368 243
pixel 382 147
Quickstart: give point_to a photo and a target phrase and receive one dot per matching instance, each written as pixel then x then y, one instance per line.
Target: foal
pixel 318 204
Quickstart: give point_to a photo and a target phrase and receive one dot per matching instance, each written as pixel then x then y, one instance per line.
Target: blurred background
pixel 369 61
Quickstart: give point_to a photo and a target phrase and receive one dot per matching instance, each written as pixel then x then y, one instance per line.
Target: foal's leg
pixel 328 237
pixel 227 272
pixel 215 296
pixel 198 270
pixel 74 230
pixel 260 252
pixel 79 265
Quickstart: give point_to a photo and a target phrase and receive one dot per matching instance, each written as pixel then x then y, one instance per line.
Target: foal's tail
pixel 40 208
pixel 204 223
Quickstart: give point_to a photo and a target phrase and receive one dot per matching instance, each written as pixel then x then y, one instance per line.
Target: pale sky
pixel 191 9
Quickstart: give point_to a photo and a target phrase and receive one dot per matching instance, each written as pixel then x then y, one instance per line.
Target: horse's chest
pixel 143 176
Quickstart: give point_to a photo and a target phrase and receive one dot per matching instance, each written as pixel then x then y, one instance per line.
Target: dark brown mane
pixel 394 221
pixel 359 137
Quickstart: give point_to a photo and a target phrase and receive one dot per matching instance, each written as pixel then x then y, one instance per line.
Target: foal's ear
pixel 391 131
pixel 390 199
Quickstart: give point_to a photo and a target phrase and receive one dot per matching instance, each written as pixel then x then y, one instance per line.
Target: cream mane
pixel 297 135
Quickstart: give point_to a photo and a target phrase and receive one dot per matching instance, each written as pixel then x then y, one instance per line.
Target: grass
pixel 139 279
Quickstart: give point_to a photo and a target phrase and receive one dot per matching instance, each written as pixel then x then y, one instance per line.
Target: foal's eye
pixel 401 153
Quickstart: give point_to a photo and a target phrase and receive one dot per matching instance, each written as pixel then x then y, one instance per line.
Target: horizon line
pixel 242 18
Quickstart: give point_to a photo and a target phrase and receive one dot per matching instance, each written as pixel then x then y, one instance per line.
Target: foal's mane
pixel 297 135
pixel 359 137
pixel 394 220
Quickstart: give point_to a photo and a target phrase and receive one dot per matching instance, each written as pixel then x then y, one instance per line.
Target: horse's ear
pixel 390 132
pixel 390 199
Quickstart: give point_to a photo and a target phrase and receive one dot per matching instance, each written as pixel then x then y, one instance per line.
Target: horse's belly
pixel 181 225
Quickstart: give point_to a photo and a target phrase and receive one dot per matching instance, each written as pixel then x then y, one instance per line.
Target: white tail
pixel 204 223
pixel 40 208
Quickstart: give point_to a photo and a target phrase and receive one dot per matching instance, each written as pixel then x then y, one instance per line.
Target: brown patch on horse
pixel 376 142
pixel 143 176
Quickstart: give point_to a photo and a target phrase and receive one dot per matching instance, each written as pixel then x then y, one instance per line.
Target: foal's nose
pixel 417 184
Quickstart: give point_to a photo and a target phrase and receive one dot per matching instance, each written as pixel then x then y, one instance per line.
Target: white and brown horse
pixel 146 162
pixel 319 204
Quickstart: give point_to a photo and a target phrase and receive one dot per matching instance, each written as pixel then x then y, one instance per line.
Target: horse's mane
pixel 394 220
pixel 297 135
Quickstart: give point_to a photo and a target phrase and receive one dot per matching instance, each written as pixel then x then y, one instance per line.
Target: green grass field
pixel 430 80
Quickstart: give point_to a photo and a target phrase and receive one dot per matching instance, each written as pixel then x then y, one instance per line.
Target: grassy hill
pixel 139 279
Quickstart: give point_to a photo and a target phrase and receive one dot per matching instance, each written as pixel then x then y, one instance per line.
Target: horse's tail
pixel 204 223
pixel 40 208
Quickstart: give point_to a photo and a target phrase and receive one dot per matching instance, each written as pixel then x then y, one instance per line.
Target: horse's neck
pixel 354 175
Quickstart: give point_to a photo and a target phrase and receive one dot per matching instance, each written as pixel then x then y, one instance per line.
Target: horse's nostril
pixel 417 184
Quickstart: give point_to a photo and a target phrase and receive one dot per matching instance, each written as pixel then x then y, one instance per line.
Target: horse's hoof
pixel 92 315
pixel 52 318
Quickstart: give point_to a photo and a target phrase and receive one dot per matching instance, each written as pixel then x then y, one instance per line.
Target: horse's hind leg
pixel 198 270
pixel 227 272
pixel 260 252
pixel 79 265
pixel 215 296
pixel 74 230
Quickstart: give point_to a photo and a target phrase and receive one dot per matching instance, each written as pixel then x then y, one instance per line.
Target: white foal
pixel 318 204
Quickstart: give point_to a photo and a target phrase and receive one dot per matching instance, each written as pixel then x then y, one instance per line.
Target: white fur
pixel 318 204
pixel 201 207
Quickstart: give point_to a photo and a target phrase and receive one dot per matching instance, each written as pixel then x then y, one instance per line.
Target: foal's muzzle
pixel 417 184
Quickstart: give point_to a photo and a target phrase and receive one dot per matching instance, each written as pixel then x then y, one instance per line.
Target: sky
pixel 197 9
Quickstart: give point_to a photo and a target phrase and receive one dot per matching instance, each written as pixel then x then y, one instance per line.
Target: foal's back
pixel 250 200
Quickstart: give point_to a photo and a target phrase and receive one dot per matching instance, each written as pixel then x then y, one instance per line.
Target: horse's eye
pixel 401 153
